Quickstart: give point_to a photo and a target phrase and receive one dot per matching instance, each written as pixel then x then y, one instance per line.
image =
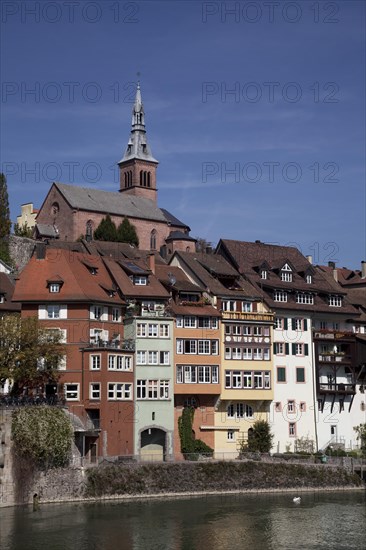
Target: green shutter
pixel 274 348
pixel 293 322
pixel 285 324
pixel 306 346
pixel 287 349
pixel 293 349
pixel 305 324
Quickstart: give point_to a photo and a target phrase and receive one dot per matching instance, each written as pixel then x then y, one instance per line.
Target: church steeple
pixel 138 166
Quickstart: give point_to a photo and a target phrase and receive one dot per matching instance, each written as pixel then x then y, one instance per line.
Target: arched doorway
pixel 153 445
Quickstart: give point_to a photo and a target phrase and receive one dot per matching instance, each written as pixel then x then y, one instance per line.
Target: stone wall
pixel 21 250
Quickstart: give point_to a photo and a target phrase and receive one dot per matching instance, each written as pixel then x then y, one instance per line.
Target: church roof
pixel 115 203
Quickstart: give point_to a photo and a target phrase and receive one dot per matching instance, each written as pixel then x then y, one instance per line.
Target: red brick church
pixel 70 212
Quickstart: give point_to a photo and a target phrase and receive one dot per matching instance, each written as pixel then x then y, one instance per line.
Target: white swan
pixel 297 500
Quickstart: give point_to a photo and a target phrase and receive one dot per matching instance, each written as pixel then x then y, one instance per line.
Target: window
pixel 246 307
pixel 257 331
pixel 153 358
pixel 54 287
pixel 278 406
pixel 257 354
pixel 258 379
pixel 119 362
pixel 141 330
pixel 236 353
pixel 204 322
pixel 71 392
pixel 153 330
pixel 153 239
pixel 152 389
pixel 139 280
pixel 280 348
pixel 304 298
pixel 118 391
pixel 236 379
pixel 164 358
pixel 231 435
pixel 95 362
pixel 164 331
pixel 53 311
pixel 292 429
pixel 141 357
pixel 281 374
pixel 214 322
pixel 309 279
pixel 300 374
pixel 247 353
pixel 203 347
pixel 286 277
pixel 204 375
pixel 164 389
pixel 94 392
pixel 280 296
pixel 190 322
pixel 215 374
pixel 263 274
pixel 96 312
pixel 335 300
pixel 179 321
pixel 291 406
pixel 302 406
pixel 247 379
pixel 236 330
pixel 239 410
pixel 116 314
pixel 247 330
pixel 266 354
pixel 300 349
pixel 278 323
pixel 228 305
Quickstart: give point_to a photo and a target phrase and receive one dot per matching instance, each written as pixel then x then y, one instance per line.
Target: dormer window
pixel 2 298
pixel 286 274
pixel 264 274
pixel 309 279
pixel 335 300
pixel 54 287
pixel 140 280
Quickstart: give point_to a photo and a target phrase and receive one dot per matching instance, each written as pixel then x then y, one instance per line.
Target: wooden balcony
pixel 342 389
pixel 334 358
pixel 242 316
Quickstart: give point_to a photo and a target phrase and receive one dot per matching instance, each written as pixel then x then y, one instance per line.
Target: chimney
pixel 335 275
pixel 309 259
pixel 331 264
pixel 152 263
pixel 40 251
pixel 363 269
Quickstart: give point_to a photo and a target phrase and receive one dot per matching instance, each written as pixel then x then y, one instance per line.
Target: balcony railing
pixel 124 345
pixel 242 316
pixel 335 358
pixel 337 388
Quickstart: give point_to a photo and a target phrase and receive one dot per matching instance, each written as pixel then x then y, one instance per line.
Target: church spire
pixel 138 166
pixel 137 147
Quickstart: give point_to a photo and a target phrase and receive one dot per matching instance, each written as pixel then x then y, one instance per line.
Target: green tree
pixel 260 438
pixel 106 230
pixel 126 233
pixel 29 354
pixel 188 444
pixel 23 230
pixel 5 223
pixel 361 435
pixel 42 435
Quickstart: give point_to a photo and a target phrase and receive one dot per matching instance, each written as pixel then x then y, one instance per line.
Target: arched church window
pixel 153 240
pixel 149 179
pixel 141 176
pixel 89 231
pixel 55 208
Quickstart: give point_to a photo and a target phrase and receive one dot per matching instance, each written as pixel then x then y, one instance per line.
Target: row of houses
pixel 252 331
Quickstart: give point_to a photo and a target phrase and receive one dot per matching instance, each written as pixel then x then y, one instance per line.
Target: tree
pixel 260 438
pixel 23 230
pixel 190 446
pixel 29 354
pixel 106 230
pixel 126 233
pixel 361 435
pixel 202 245
pixel 5 223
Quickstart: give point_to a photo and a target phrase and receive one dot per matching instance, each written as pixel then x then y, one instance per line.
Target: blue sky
pixel 255 110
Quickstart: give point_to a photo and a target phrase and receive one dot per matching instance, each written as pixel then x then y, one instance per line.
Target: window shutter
pixel 254 306
pixel 293 322
pixel 274 348
pixel 293 349
pixel 306 347
pixel 287 349
pixel 42 312
pixel 285 323
pixel 305 324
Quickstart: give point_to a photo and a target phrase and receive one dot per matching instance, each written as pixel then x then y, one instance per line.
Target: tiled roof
pixel 249 257
pixel 110 202
pixel 205 267
pixel 79 284
pixel 179 235
pixel 6 289
pixel 174 277
pixel 204 310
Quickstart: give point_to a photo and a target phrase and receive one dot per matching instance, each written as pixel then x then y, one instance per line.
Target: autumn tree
pixel 106 230
pixel 126 233
pixel 29 353
pixel 5 223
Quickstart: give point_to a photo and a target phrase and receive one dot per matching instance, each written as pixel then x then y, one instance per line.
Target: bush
pixel 260 438
pixel 42 435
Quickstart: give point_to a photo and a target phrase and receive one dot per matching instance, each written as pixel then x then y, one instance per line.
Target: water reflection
pixel 326 521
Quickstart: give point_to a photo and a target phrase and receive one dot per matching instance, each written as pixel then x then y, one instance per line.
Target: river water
pixel 321 521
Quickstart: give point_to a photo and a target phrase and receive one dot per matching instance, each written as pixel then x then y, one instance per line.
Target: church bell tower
pixel 138 166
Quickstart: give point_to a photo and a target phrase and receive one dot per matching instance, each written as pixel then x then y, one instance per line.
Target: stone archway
pixel 153 445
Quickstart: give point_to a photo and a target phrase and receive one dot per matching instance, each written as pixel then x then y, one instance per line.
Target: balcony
pixel 123 345
pixel 242 316
pixel 344 389
pixel 334 358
